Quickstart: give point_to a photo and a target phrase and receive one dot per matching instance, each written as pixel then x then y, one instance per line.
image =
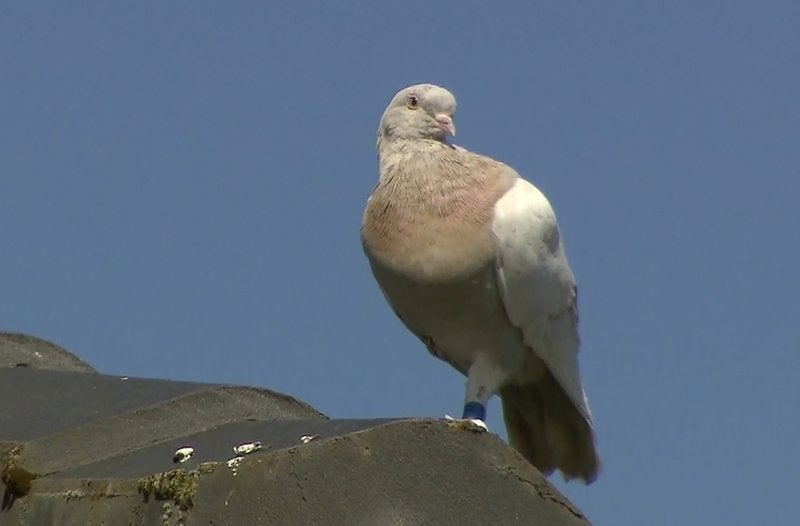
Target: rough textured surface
pixel 21 350
pixel 49 402
pixel 79 449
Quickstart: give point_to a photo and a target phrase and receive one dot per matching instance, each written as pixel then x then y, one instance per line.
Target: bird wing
pixel 536 284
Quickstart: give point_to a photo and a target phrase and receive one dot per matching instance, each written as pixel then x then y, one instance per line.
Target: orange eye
pixel 412 103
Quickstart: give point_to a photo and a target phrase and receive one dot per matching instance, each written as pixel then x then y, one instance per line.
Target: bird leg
pixel 474 411
pixel 483 379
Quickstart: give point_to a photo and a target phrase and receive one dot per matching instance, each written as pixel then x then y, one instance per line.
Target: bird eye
pixel 412 103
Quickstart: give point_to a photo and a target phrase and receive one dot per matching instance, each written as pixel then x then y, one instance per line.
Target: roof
pixel 79 447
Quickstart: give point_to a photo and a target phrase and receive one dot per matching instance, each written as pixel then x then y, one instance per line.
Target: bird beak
pixel 445 122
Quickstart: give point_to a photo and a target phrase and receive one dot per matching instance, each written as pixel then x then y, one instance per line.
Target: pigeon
pixel 469 256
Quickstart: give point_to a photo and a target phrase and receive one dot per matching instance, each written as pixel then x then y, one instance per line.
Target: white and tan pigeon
pixel 469 256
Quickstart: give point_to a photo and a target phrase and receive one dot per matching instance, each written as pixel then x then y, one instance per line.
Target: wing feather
pixel 536 284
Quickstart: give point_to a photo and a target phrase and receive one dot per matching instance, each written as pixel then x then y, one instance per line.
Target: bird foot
pixel 466 424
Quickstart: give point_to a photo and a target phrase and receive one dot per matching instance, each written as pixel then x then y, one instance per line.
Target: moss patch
pixel 16 478
pixel 177 485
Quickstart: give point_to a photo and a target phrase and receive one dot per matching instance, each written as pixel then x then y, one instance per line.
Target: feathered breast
pixel 431 215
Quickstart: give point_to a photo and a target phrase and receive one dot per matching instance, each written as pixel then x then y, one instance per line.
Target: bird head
pixel 422 111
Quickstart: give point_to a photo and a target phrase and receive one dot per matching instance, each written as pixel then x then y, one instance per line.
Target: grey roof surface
pixel 77 447
pixel 21 350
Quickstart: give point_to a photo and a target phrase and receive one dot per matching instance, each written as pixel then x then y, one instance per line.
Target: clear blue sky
pixel 181 187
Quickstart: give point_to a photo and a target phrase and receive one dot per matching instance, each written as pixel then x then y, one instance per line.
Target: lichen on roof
pixel 17 479
pixel 177 485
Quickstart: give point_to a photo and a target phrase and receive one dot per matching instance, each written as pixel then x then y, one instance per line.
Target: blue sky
pixel 181 188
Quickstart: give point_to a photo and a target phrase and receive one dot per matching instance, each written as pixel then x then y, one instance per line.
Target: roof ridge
pixel 184 415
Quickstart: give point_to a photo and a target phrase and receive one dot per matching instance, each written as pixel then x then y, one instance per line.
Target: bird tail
pixel 545 426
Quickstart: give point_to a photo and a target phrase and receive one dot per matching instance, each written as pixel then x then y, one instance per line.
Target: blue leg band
pixel 474 411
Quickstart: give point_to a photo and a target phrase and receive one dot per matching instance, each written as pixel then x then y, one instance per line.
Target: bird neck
pixel 399 155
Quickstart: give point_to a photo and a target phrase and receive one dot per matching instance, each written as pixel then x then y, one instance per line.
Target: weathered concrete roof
pixel 82 448
pixel 21 350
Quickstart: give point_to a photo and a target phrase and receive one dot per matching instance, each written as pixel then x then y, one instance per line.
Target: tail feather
pixel 545 426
